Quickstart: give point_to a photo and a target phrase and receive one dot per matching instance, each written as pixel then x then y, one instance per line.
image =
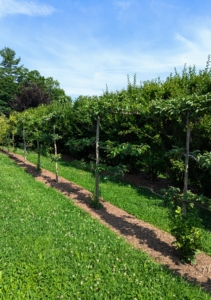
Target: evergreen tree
pixel 10 64
pixel 10 73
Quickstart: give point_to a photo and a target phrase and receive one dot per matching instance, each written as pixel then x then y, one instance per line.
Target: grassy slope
pixel 137 201
pixel 51 249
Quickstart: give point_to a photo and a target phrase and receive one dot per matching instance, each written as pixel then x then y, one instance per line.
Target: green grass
pixel 50 249
pixel 137 201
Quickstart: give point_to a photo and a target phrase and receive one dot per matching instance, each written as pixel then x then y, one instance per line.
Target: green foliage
pixel 140 124
pixel 205 160
pixel 175 172
pixel 3 128
pixel 125 149
pixel 80 144
pixel 9 65
pixel 21 88
pixel 8 88
pixel 49 154
pixel 9 77
pixel 52 87
pixel 187 233
pixel 185 228
pixel 196 105
pixel 105 172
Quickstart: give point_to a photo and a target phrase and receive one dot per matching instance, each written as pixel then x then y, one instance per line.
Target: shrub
pixel 185 228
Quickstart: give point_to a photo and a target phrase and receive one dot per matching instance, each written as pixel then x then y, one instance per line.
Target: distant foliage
pixel 30 97
pixel 21 89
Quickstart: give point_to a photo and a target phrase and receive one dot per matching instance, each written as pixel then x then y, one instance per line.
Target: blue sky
pixel 86 44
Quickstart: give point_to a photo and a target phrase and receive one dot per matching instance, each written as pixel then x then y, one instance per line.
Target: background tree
pixel 8 88
pixel 18 85
pixel 52 87
pixel 30 97
pixel 9 65
pixel 3 129
pixel 9 76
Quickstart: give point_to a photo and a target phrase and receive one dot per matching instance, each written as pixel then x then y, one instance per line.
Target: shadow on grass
pixel 113 179
pixel 30 169
pixel 156 200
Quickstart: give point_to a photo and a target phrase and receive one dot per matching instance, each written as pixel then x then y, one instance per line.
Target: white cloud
pixel 111 66
pixel 31 8
pixel 87 73
pixel 194 50
pixel 85 69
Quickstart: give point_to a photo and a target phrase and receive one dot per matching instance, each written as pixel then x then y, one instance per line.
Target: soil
pixel 147 238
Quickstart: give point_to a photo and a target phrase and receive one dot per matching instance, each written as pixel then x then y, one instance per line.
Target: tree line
pixel 143 126
pixel 21 89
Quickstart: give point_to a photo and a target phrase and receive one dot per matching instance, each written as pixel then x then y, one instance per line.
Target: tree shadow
pixel 119 180
pixel 30 169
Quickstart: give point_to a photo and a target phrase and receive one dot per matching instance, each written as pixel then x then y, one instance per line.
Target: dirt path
pixel 153 241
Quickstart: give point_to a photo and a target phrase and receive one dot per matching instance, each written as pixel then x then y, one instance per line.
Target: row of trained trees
pixel 159 127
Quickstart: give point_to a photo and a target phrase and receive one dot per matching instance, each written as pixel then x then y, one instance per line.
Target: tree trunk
pixel 55 153
pixel 13 141
pixel 184 203
pixel 8 143
pixel 24 145
pixel 38 156
pixel 97 161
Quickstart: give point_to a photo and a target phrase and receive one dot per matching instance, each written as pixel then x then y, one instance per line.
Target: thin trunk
pixel 24 145
pixel 184 203
pixel 8 143
pixel 38 156
pixel 55 153
pixel 97 161
pixel 13 141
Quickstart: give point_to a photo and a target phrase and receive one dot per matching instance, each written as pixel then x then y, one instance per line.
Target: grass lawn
pixel 137 201
pixel 50 249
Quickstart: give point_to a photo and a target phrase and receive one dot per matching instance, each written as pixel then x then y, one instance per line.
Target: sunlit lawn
pixel 50 249
pixel 137 201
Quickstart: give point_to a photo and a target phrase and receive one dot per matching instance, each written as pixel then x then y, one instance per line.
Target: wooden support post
pixel 184 203
pixel 24 145
pixel 38 156
pixel 97 161
pixel 55 153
